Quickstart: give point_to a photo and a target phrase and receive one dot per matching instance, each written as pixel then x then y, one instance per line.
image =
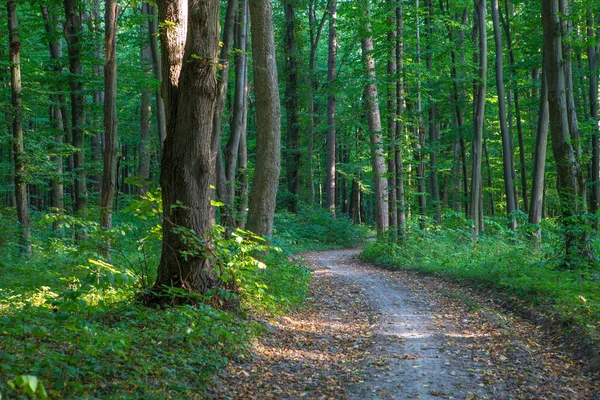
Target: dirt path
pixel 374 334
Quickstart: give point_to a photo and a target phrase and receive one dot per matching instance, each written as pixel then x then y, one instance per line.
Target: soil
pixel 369 333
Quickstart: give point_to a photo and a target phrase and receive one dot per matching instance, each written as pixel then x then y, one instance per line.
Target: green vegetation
pixel 71 326
pixel 505 261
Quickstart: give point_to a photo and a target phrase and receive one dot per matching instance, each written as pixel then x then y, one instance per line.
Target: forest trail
pixel 374 334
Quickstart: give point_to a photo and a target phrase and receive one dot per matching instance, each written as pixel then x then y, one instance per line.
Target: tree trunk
pixel 570 182
pixel 111 138
pixel 242 210
pixel 268 120
pixel 331 106
pixel 291 106
pixel 73 33
pixel 392 109
pixel 150 11
pixel 479 88
pixel 539 162
pixel 507 152
pixel 399 167
pixel 420 132
pixel 17 127
pixel 143 171
pixel 593 53
pixel 374 120
pixel 238 123
pixel 190 93
pixel 96 125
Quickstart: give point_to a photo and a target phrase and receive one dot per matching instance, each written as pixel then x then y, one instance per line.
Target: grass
pixel 507 263
pixel 71 323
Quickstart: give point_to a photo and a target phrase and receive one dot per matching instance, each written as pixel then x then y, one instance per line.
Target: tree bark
pixel 392 109
pixel 143 171
pixel 73 32
pixel 150 11
pixel 479 86
pixel 593 53
pixel 190 93
pixel 420 132
pixel 399 167
pixel 268 120
pixel 331 108
pixel 111 138
pixel 374 120
pixel 17 127
pixel 507 152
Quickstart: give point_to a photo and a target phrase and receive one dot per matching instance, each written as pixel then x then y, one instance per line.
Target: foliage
pixel 505 261
pixel 314 228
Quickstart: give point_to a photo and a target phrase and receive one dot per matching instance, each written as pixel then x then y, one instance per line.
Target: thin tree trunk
pixel 268 120
pixel 489 176
pixel 399 167
pixel 238 123
pixel 392 109
pixel 506 141
pixel 73 33
pixel 94 23
pixel 17 127
pixel 374 120
pixel 593 53
pixel 420 132
pixel 150 11
pixel 331 106
pixel 243 163
pixel 539 162
pixel 479 88
pixel 143 171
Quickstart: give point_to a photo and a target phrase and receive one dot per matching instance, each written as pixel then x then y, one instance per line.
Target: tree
pixel 479 87
pixel 17 127
pixel 268 120
pixel 374 121
pixel 331 108
pixel 570 182
pixel 190 93
pixel 399 167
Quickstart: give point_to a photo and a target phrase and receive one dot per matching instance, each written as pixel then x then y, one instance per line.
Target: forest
pixel 181 182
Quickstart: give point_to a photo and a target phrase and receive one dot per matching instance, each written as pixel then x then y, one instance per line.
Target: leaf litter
pixel 368 333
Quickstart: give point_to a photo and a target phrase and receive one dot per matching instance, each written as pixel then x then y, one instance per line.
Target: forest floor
pixel 368 333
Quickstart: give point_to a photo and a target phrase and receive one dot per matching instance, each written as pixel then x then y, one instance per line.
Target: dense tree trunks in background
pixel 374 121
pixel 331 108
pixel 150 12
pixel 238 119
pixel 570 181
pixel 539 161
pixel 593 53
pixel 111 139
pixel 291 106
pixel 507 151
pixel 190 89
pixel 73 31
pixel 479 91
pixel 219 179
pixel 399 167
pixel 268 120
pixel 17 128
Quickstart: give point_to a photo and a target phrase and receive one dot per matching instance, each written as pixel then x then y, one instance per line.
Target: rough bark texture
pixel 17 128
pixel 507 151
pixel 331 108
pixel 479 89
pixel 291 106
pixel 268 120
pixel 374 120
pixel 111 139
pixel 73 31
pixel 570 181
pixel 190 89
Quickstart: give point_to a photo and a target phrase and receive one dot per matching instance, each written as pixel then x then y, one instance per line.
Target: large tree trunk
pixel 291 106
pixel 73 33
pixel 331 107
pixel 238 123
pixel 480 36
pixel 374 120
pixel 17 127
pixel 507 152
pixel 190 93
pixel 570 181
pixel 111 139
pixel 268 120
pixel 539 162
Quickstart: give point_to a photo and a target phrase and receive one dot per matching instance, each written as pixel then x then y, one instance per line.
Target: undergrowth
pixel 506 261
pixel 71 327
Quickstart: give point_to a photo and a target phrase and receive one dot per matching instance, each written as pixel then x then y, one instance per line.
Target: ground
pixel 368 333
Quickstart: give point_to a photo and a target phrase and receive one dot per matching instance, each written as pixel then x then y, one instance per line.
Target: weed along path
pixel 374 334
